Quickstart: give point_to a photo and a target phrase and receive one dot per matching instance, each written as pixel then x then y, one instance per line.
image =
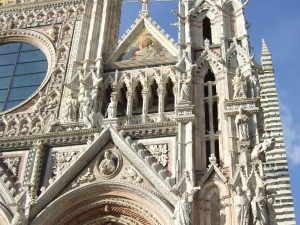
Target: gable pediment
pixel 144 45
pixel 135 169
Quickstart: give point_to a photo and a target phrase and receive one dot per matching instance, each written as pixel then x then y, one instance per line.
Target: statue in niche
pixel 185 91
pixel 241 122
pixel 72 109
pixel 84 109
pixel 40 103
pixel 259 207
pixel 112 107
pixel 255 88
pixel 242 207
pixel 239 85
pixel 107 165
pixel 182 211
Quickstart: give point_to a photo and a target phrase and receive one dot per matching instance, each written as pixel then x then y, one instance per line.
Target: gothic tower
pixel 142 130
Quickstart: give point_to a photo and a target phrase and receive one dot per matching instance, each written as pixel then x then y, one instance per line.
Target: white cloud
pixel 291 135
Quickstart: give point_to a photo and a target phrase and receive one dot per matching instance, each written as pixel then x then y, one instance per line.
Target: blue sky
pixel 278 22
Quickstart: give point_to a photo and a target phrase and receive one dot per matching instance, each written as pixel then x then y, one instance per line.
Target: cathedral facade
pixel 142 130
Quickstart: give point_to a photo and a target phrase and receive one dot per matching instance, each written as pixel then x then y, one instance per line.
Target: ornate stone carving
pixel 241 207
pixel 40 103
pixel 259 207
pixel 185 91
pixel 107 165
pixel 112 107
pixel 239 85
pixel 130 173
pixel 159 152
pixel 241 121
pixel 255 86
pixel 182 211
pixel 72 109
pixel 62 160
pixel 85 178
pixel 259 151
pixel 12 164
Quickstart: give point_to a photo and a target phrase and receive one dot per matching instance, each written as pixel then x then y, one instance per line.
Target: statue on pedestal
pixel 239 85
pixel 241 121
pixel 185 91
pixel 242 207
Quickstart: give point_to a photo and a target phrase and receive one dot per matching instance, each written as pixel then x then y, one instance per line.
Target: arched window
pixel 137 100
pixel 106 100
pixel 207 30
pixel 169 97
pixel 153 98
pixel 122 101
pixel 211 116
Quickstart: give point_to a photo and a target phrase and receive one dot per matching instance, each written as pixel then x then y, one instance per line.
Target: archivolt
pixel 112 201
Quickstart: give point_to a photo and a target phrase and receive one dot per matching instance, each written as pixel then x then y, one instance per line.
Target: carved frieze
pixel 130 174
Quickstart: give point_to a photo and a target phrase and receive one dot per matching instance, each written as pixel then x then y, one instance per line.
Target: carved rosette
pixel 159 152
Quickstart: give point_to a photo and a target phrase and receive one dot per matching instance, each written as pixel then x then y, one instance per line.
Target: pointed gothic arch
pixel 207 33
pixel 137 106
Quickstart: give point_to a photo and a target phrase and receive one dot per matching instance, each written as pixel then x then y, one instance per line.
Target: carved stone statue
pixel 239 85
pixel 24 129
pixel 112 108
pixel 40 103
pixel 241 207
pixel 145 5
pixel 185 91
pixel 182 211
pixel 107 165
pixel 12 131
pixel 271 211
pixel 241 122
pixel 84 109
pixel 72 109
pixel 37 128
pixel 259 207
pixel 259 151
pixel 255 88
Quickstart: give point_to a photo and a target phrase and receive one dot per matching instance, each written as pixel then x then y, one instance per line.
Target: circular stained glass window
pixel 23 68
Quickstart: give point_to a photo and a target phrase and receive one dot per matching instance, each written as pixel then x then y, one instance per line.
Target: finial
pixel 145 8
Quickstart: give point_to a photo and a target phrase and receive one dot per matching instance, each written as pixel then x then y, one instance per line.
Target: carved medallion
pixel 109 163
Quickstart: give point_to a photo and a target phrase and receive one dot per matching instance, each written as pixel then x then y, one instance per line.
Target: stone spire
pixel 266 57
pixel 276 160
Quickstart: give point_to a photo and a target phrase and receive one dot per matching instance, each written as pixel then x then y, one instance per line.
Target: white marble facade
pixel 145 130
